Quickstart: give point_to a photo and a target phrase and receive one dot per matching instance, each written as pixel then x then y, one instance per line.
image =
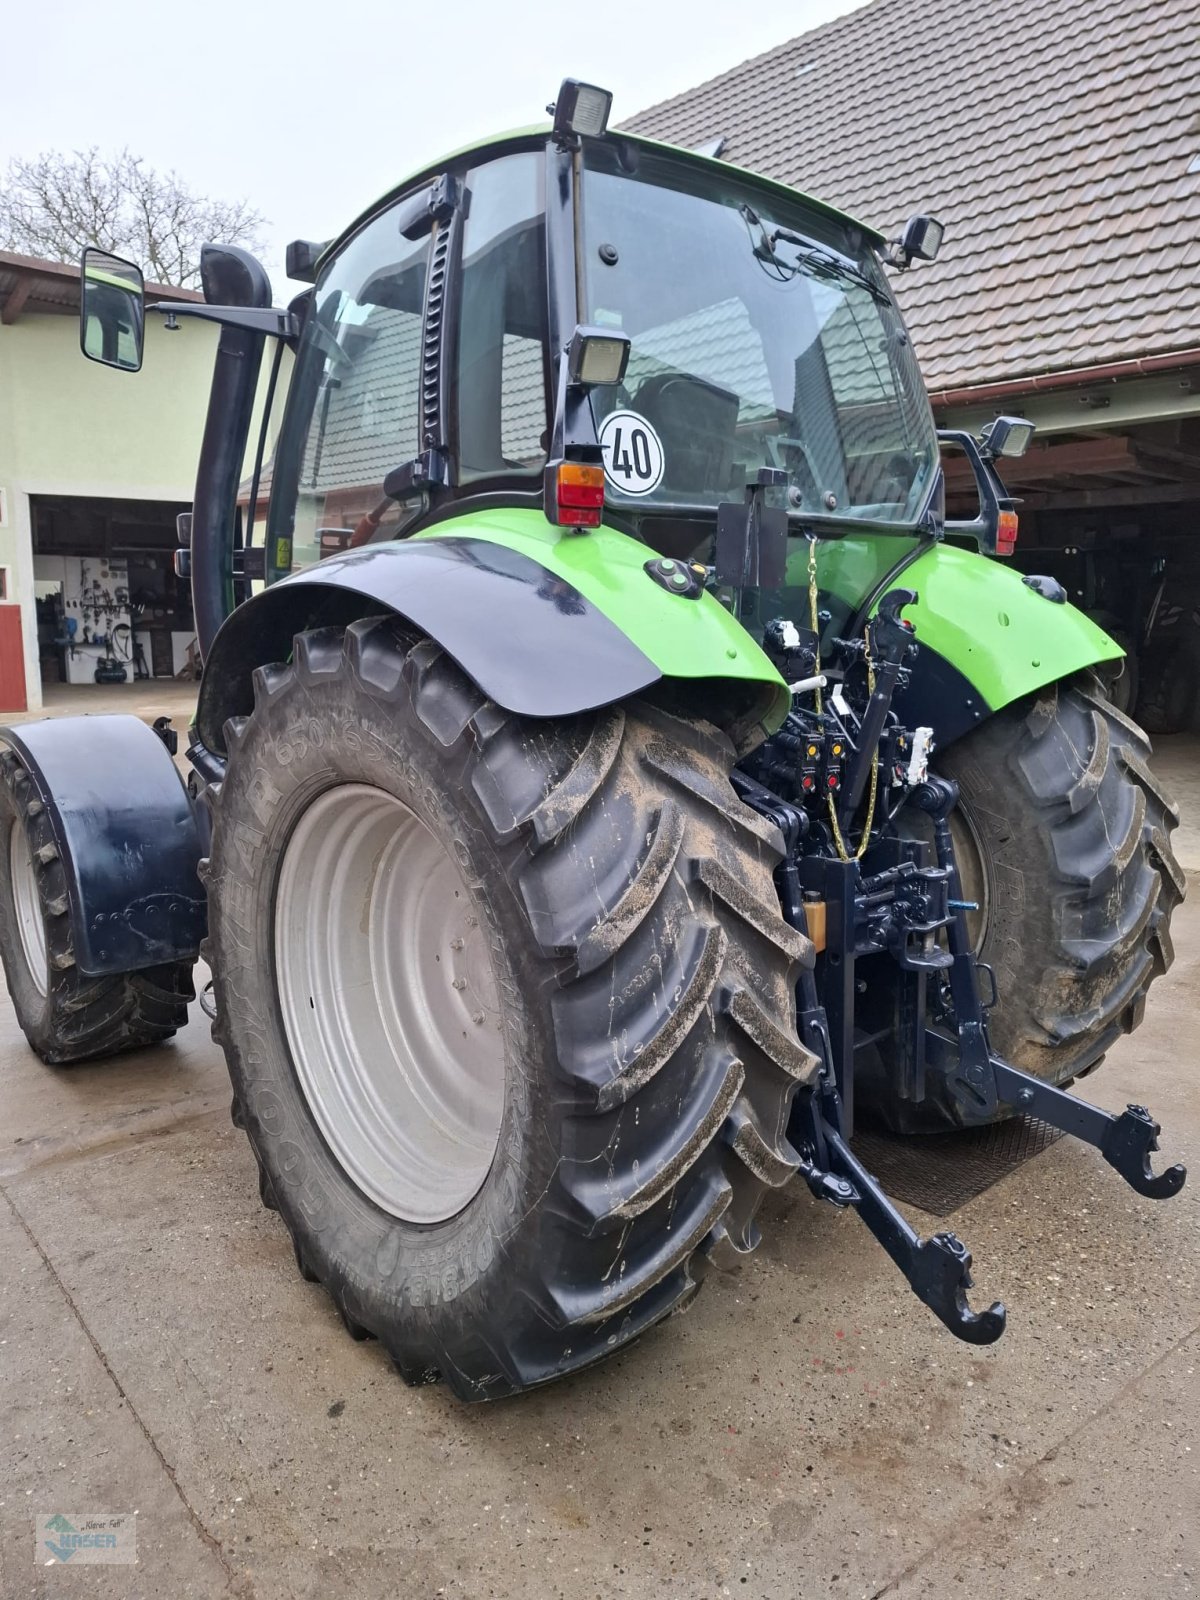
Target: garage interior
pixel 109 606
pixel 1113 513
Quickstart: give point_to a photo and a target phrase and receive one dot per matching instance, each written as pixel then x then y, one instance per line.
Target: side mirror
pixel 112 310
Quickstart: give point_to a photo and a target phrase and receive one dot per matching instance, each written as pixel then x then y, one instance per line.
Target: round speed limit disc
pixel 633 453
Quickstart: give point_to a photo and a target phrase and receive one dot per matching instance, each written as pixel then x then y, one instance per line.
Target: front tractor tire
pixel 1063 838
pixel 68 1017
pixel 508 1006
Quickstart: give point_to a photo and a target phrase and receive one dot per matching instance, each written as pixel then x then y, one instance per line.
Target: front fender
pixel 547 623
pixel 127 836
pixel 986 639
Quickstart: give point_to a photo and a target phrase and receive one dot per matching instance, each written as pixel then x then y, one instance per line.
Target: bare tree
pixel 55 204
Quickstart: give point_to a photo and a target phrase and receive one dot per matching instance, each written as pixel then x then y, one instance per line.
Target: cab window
pixel 353 407
pixel 502 337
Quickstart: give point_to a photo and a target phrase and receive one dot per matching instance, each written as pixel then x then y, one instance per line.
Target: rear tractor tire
pixel 67 1017
pixel 508 1006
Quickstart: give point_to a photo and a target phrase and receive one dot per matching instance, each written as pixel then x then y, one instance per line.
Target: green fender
pixel 684 638
pixel 1002 636
pixel 986 637
pixel 989 638
pixel 548 623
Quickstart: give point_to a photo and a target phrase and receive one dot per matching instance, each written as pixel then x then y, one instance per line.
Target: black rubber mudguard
pixel 124 827
pixel 529 639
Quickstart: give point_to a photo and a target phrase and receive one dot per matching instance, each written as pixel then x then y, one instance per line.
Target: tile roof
pixel 1059 143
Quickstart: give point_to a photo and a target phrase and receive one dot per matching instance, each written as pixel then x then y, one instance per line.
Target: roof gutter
pixel 1069 378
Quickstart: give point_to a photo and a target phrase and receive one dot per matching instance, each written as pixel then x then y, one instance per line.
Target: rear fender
pixel 987 638
pixel 547 623
pixel 127 835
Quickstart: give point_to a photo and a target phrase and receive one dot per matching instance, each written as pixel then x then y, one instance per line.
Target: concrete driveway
pixel 807 1429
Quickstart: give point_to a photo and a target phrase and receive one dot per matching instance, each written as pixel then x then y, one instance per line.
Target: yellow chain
pixel 815 625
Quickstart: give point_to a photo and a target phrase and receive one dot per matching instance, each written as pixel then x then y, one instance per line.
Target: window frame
pixel 509 487
pixel 289 419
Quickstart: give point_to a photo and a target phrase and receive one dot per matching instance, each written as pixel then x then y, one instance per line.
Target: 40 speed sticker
pixel 633 453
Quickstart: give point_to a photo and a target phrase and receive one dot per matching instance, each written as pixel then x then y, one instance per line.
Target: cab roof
pixel 532 137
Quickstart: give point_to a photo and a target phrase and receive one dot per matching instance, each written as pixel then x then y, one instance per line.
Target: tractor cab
pixel 592 324
pixel 553 302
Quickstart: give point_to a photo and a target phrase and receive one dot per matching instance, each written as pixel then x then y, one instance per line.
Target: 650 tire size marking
pixel 633 453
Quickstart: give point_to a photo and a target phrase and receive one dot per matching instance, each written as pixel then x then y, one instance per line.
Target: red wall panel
pixel 12 660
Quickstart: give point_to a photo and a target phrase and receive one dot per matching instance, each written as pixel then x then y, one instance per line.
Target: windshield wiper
pixel 827 264
pixel 819 261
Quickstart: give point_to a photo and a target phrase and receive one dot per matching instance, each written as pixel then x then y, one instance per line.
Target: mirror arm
pixel 271 320
pixel 993 497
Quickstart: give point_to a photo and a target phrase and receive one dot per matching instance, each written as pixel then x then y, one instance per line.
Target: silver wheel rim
pixel 389 1002
pixel 31 926
pixel 971 861
pixel 972 873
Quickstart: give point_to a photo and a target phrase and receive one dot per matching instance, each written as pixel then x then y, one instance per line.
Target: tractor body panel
pixel 125 830
pixel 546 623
pixel 987 638
pixel 1004 637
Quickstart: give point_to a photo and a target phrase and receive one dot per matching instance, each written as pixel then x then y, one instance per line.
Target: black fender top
pixel 531 641
pixel 126 833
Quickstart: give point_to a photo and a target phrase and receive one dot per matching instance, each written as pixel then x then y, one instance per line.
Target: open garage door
pixel 109 606
pixel 1114 514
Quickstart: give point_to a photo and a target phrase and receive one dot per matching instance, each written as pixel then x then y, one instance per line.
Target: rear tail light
pixel 1006 533
pixel 575 494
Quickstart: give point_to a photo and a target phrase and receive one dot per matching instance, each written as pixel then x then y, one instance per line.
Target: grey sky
pixel 311 111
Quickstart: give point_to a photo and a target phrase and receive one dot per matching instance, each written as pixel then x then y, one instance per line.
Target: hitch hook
pixel 940 1275
pixel 1124 1141
pixel 1127 1144
pixel 938 1269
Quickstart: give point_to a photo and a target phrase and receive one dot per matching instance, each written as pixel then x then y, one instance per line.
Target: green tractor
pixel 650 782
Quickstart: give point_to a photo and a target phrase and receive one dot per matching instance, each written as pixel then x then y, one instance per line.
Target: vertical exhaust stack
pixel 230 277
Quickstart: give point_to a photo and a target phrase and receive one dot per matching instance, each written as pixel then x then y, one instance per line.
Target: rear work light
pixel 1006 533
pixel 577 492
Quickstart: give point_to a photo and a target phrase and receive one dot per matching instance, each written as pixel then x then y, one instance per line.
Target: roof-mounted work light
pixel 1006 436
pixel 581 109
pixel 596 356
pixel 920 241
